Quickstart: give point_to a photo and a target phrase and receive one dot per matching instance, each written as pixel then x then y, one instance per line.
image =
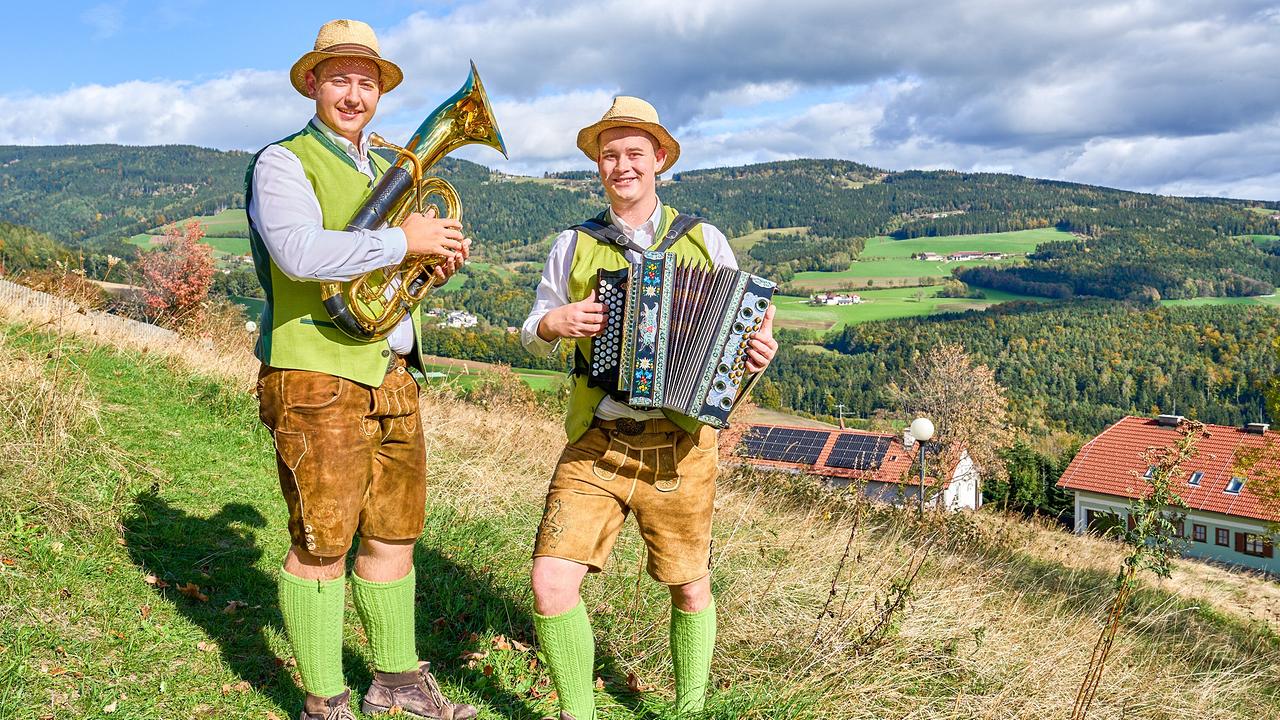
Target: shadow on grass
pixel 219 553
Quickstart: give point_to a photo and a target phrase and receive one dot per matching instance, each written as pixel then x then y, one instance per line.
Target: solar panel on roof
pixel 784 444
pixel 854 451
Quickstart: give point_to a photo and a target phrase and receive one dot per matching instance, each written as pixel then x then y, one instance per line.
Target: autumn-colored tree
pixel 967 406
pixel 177 275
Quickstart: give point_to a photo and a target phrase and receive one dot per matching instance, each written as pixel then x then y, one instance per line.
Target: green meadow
pixel 887 259
pixel 536 379
pixel 796 312
pixel 1269 300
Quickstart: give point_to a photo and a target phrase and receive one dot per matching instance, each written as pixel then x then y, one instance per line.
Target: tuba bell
pixel 369 307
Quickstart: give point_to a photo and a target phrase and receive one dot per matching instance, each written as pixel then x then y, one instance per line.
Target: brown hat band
pixel 349 48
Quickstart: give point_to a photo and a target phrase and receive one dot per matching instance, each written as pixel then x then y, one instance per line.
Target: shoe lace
pixel 432 688
pixel 342 712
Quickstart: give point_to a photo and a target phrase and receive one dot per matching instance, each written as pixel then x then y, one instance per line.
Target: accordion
pixel 676 335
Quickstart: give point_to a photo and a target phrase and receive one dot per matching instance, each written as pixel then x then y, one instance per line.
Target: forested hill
pixel 1079 365
pixel 91 195
pixel 1125 244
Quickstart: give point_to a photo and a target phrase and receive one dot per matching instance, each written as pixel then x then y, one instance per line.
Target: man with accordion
pixel 624 455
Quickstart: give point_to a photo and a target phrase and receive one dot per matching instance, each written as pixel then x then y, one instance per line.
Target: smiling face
pixel 629 162
pixel 346 92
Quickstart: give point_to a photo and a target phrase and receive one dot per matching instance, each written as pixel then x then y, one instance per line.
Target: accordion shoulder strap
pixel 603 231
pixel 680 226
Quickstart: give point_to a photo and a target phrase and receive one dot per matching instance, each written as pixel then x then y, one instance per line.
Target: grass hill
pixel 142 534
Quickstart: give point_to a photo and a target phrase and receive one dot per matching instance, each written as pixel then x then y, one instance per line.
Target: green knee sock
pixel 386 609
pixel 312 611
pixel 693 637
pixel 570 652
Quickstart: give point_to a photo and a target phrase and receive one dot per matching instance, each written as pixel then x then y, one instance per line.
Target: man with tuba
pixel 343 412
pixel 659 465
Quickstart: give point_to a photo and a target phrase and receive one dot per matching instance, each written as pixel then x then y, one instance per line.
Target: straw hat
pixel 629 112
pixel 344 38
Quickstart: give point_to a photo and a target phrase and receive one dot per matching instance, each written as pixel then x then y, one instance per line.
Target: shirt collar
pixel 650 225
pixel 357 153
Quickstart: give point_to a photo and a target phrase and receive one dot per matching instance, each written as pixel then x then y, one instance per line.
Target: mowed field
pixel 1269 300
pixel 890 260
pixel 797 314
pixel 217 228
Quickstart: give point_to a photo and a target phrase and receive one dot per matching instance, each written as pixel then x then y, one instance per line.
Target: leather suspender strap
pixel 606 233
pixel 680 226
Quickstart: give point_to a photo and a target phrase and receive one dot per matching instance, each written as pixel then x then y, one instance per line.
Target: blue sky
pixel 1178 98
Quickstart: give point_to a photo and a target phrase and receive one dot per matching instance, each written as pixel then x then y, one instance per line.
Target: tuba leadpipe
pixel 369 307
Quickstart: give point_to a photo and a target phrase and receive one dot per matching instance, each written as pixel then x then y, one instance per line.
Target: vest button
pixel 386 353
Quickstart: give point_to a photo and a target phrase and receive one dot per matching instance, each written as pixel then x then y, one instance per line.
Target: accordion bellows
pixel 676 335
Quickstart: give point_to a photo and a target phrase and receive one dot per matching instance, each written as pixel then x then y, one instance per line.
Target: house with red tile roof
pixel 879 464
pixel 1225 521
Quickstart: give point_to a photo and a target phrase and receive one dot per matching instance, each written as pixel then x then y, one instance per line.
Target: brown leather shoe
pixel 415 693
pixel 335 708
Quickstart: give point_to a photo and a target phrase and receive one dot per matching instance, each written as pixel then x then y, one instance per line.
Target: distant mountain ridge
pixel 1126 244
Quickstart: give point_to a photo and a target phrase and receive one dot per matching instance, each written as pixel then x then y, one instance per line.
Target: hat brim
pixel 390 73
pixel 589 138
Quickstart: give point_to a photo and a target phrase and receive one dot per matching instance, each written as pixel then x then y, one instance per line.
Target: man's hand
pixel 584 318
pixel 441 273
pixel 425 234
pixel 763 347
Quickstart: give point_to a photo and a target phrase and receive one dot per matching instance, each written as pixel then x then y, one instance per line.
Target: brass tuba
pixel 369 307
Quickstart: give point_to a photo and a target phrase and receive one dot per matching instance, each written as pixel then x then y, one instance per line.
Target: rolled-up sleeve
pixel 553 291
pixel 286 214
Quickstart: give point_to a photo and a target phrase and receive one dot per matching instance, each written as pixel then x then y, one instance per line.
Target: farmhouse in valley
pixel 879 464
pixel 835 299
pixel 1225 520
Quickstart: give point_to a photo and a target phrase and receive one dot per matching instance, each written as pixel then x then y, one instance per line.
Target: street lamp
pixel 922 431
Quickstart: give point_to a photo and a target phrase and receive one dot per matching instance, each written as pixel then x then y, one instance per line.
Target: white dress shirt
pixel 287 216
pixel 553 290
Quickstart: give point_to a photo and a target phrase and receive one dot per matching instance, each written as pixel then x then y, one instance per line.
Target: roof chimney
pixel 1169 420
pixel 1256 428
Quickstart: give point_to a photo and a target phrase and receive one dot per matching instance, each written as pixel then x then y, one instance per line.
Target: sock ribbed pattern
pixel 570 652
pixel 693 638
pixel 386 609
pixel 312 611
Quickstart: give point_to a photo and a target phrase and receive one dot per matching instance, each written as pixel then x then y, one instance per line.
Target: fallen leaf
pixel 56 671
pixel 203 646
pixel 110 707
pixel 233 606
pixel 192 591
pixel 61 651
pixel 519 646
pixel 500 643
pixel 474 655
pixel 635 685
pixel 8 561
pixel 155 582
pixel 599 683
pixel 272 716
pixel 118 635
pixel 242 686
pixel 56 547
pixel 121 541
pixel 145 611
pixel 64 593
pixel 488 671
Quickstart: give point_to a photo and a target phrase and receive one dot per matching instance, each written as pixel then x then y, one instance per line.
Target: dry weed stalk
pixel 1153 542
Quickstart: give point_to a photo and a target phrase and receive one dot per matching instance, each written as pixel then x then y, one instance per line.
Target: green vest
pixel 590 255
pixel 296 330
